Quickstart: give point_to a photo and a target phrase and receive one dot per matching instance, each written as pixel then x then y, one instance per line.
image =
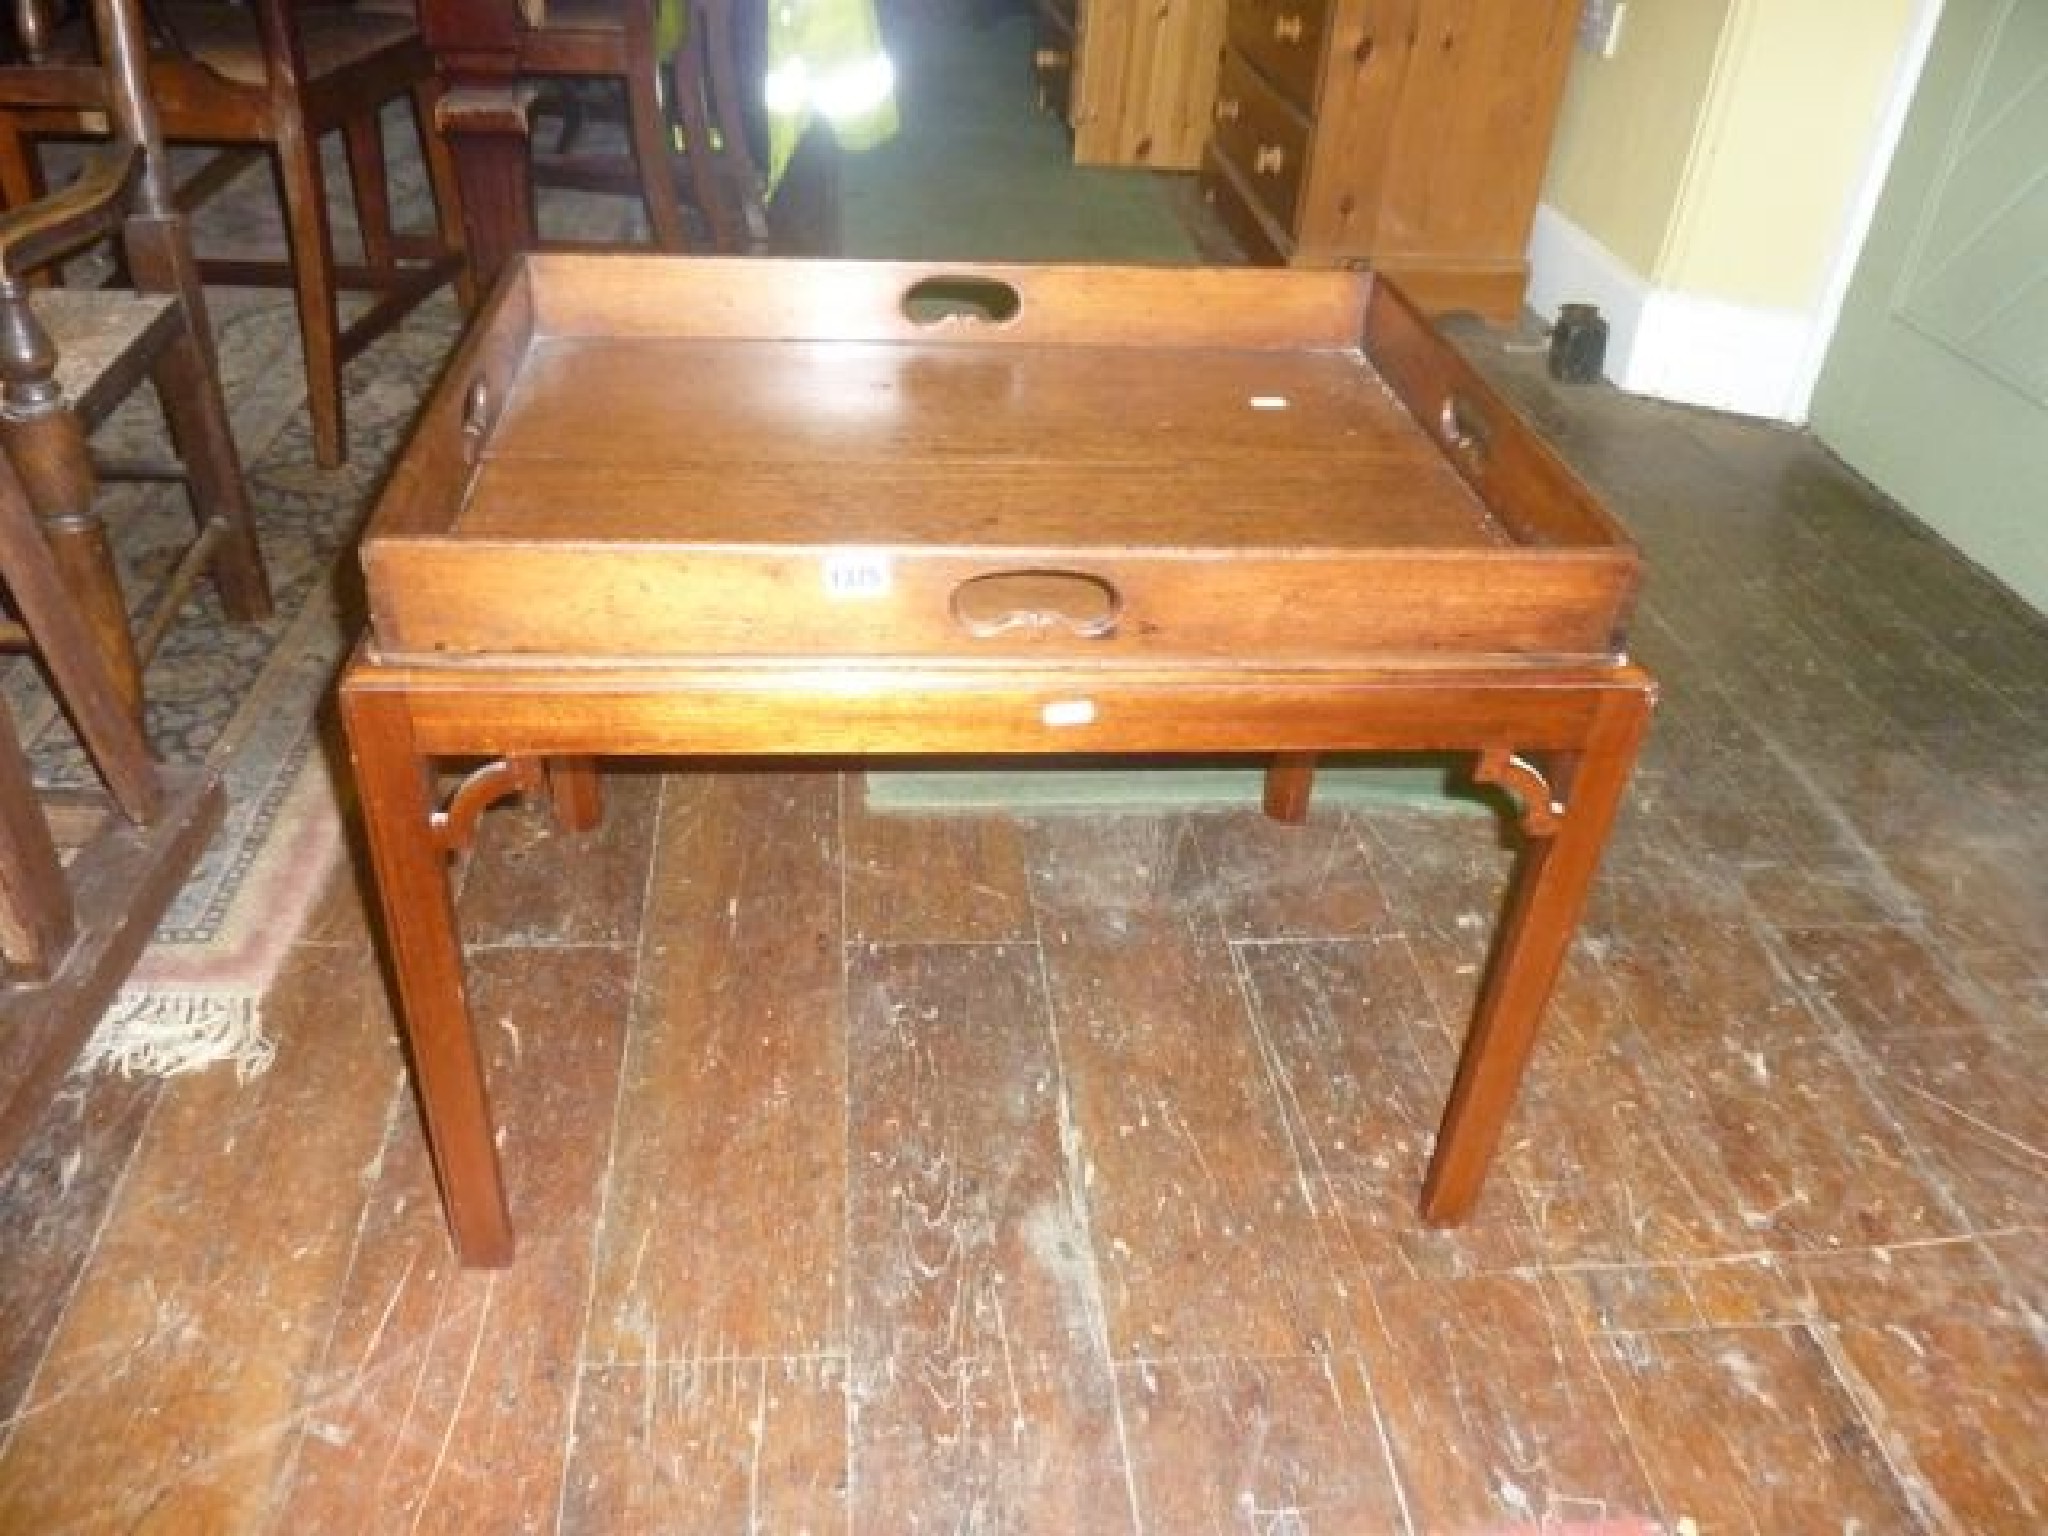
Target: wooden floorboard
pixel 982 1395
pixel 878 1172
pixel 709 1445
pixel 1753 1427
pixel 52 1200
pixel 1198 1208
pixel 444 1398
pixel 1496 1407
pixel 173 1384
pixel 735 1090
pixel 1257 1444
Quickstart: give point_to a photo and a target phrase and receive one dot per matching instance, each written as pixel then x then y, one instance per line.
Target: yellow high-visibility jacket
pixel 826 60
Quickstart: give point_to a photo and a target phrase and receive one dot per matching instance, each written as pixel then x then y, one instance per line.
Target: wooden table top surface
pixel 796 442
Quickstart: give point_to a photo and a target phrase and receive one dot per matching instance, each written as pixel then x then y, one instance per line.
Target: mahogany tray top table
pixel 695 507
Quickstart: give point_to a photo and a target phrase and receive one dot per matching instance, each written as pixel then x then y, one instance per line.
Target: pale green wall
pixel 1939 393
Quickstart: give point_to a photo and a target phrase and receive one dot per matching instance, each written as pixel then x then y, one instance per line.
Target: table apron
pixel 614 714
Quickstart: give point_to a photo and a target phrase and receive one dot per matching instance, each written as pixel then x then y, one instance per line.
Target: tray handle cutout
pixel 476 419
pixel 1463 428
pixel 961 299
pixel 1037 602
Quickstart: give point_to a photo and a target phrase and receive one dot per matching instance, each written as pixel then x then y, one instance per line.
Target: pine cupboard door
pixel 1144 81
pixel 1936 384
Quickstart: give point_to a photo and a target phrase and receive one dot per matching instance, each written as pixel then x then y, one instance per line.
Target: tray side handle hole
pixel 961 299
pixel 1465 433
pixel 478 408
pixel 1037 602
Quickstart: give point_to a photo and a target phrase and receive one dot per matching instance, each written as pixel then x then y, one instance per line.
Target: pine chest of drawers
pixel 1407 135
pixel 1133 78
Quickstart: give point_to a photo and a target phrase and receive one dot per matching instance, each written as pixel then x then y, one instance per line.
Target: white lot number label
pixel 854 573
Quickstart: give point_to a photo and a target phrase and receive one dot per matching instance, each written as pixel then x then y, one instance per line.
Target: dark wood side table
pixel 756 508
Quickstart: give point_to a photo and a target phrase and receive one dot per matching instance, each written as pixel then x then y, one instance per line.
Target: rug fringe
pixel 157 1034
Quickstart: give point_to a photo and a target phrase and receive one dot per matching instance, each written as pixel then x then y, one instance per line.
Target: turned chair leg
pixel 73 656
pixel 47 443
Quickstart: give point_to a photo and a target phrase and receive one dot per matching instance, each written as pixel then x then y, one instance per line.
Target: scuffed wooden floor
pixel 974 1174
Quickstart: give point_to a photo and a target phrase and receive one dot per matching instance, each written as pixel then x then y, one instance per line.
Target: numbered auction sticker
pixel 856 573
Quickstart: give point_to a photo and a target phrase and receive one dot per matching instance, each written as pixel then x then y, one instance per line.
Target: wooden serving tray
pixel 645 460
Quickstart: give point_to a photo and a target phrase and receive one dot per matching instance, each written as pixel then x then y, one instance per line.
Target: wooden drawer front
pixel 1264 243
pixel 1263 136
pixel 1284 38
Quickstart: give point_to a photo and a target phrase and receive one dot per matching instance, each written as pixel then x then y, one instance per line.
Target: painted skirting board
pixel 1676 346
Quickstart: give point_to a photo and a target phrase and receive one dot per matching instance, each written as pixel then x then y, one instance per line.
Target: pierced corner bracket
pixel 454 826
pixel 1540 808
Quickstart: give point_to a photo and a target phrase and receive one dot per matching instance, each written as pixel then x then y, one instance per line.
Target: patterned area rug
pixel 250 699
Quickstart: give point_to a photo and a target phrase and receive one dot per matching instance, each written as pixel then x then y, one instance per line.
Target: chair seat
pixel 225 39
pixel 99 335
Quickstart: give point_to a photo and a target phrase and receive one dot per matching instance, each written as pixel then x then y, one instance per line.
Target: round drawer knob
pixel 1287 29
pixel 1227 110
pixel 1269 160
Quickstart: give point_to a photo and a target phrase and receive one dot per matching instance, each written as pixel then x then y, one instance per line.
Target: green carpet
pixel 978 174
pixel 1408 781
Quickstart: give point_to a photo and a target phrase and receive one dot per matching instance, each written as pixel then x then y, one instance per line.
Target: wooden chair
pixel 71 928
pixel 576 44
pixel 276 76
pixel 36 918
pixel 68 357
pixel 674 64
pixel 717 85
